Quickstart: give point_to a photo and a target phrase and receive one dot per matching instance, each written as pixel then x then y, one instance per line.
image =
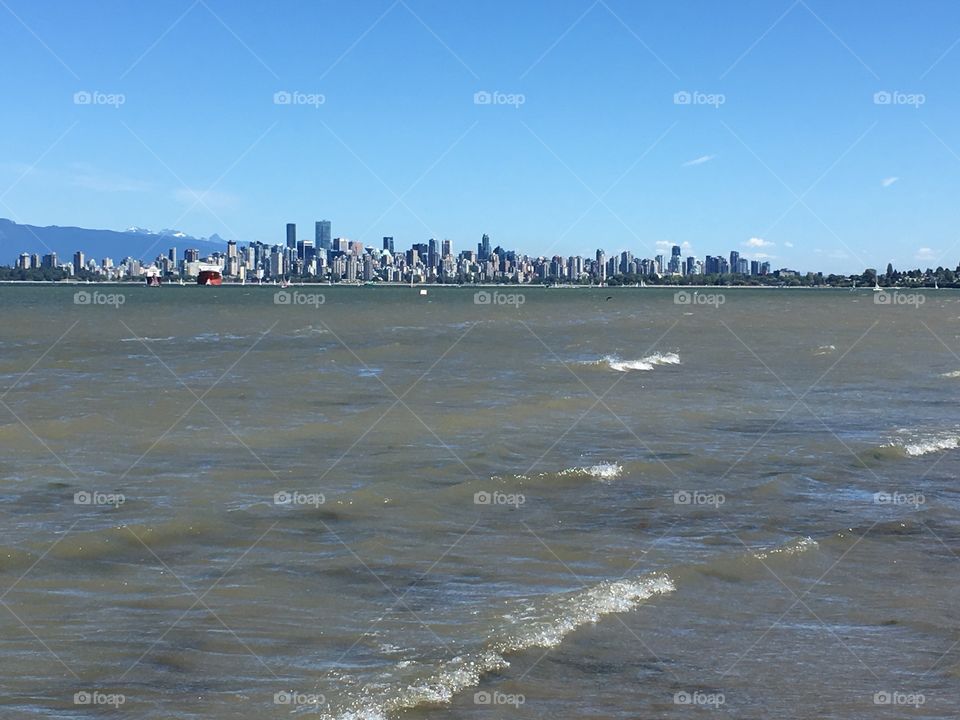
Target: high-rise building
pixel 388 244
pixel 292 235
pixel 734 261
pixel 483 247
pixel 322 234
pixel 446 248
pixel 77 262
pixel 191 255
pixel 432 258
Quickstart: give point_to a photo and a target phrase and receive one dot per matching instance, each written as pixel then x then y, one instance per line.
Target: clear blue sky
pixel 399 119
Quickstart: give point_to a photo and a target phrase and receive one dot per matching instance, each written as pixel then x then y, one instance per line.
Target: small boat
pixel 876 287
pixel 153 281
pixel 423 292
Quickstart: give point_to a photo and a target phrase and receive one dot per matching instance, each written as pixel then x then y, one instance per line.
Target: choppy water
pixel 578 507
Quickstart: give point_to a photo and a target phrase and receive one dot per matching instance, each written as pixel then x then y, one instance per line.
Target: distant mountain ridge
pixel 117 244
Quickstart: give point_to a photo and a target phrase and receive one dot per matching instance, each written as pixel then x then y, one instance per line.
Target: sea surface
pixel 535 503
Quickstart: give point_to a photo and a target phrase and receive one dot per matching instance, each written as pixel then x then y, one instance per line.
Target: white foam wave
pixel 604 471
pixel 952 374
pixel 146 339
pixel 825 350
pixel 567 613
pixel 925 447
pixel 647 363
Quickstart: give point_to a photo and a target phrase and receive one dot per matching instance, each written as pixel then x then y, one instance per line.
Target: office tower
pixel 367 268
pixel 734 261
pixel 483 247
pixel 388 244
pixel 232 249
pixel 446 248
pixel 191 255
pixel 292 235
pixel 77 262
pixel 691 266
pixel 352 268
pixel 172 255
pixel 754 267
pixel 322 234
pixel 432 253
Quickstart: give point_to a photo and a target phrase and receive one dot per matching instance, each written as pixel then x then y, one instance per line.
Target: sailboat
pixel 876 286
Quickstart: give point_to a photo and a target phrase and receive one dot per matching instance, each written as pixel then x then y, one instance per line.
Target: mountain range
pixel 135 242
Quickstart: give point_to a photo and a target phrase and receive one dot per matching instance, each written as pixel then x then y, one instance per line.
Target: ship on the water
pixel 209 274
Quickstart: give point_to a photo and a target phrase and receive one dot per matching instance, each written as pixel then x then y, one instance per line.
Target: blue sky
pixel 784 152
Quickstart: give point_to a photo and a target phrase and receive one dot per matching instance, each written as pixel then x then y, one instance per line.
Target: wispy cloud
pixel 788 244
pixel 887 182
pixel 699 161
pixel 756 242
pixel 925 253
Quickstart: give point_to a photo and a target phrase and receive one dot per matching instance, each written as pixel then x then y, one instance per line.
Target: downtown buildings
pixel 326 258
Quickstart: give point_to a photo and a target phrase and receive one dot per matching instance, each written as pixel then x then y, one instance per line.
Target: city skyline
pixel 325 257
pixel 823 134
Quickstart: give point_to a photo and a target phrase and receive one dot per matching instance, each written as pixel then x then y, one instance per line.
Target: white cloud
pixel 699 161
pixel 756 242
pixel 759 256
pixel 887 182
pixel 788 244
pixel 925 253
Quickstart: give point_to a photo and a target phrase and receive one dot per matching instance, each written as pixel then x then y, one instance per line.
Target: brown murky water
pixel 392 505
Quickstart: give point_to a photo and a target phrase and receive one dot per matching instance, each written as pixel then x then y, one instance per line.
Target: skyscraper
pixel 388 244
pixel 446 248
pixel 432 259
pixel 322 234
pixel 77 261
pixel 483 248
pixel 734 261
pixel 292 235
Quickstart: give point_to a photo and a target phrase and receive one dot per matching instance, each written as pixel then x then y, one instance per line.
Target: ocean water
pixel 577 503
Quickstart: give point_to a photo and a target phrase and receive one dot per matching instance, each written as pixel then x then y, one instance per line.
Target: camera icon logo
pixel 682 298
pixel 882 97
pixel 682 98
pixel 82 498
pixel 82 698
pixel 482 97
pixel 482 498
pixel 482 298
pixel 81 297
pixel 282 498
pixel 282 298
pixel 481 698
pixel 282 97
pixel 82 97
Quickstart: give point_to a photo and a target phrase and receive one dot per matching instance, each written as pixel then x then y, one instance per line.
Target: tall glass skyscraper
pixel 322 234
pixel 292 235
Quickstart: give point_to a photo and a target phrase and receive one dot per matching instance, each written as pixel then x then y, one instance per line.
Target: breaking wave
pixel 647 363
